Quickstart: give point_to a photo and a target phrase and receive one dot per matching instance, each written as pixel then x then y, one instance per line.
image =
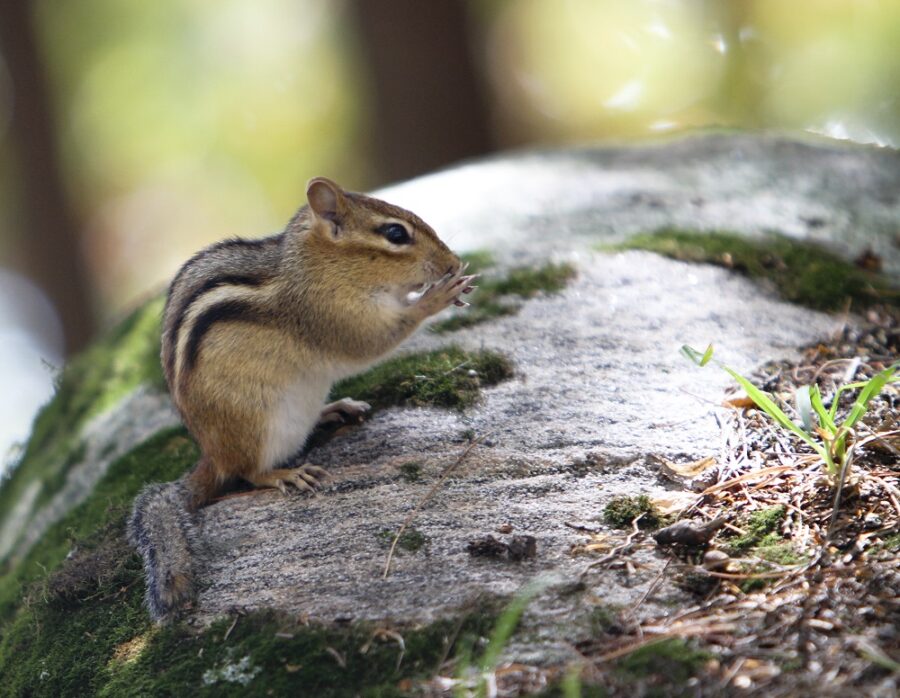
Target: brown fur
pixel 236 332
pixel 254 331
pixel 204 484
pixel 225 404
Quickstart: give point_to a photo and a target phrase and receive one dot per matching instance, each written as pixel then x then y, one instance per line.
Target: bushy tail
pixel 163 531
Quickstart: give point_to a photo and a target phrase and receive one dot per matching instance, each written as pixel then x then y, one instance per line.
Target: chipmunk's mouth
pixel 415 291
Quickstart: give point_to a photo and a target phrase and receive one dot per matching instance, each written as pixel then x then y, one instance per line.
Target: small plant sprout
pixel 819 427
pixel 478 677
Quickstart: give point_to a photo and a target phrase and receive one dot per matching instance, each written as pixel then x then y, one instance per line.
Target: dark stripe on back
pixel 256 243
pixel 208 285
pixel 226 311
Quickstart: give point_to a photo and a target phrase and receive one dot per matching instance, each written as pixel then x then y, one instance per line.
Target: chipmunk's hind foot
pixel 306 478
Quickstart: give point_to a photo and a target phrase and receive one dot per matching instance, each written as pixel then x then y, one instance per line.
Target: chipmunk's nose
pixel 444 262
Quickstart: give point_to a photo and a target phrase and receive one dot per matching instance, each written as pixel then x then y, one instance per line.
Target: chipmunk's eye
pixel 394 233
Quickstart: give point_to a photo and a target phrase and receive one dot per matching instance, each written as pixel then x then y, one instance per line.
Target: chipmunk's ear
pixel 326 199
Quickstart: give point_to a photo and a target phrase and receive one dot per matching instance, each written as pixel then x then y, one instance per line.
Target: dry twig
pixel 434 488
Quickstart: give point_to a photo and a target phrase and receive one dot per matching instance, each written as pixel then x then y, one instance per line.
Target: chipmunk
pixel 255 332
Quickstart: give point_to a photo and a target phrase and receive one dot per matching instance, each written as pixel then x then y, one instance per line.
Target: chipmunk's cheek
pixel 397 299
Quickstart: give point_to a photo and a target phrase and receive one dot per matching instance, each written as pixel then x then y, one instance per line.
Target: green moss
pixel 105 646
pixel 789 664
pixel 496 295
pixel 673 659
pixel 449 377
pixel 604 619
pixel 411 472
pixel 527 283
pixel 761 530
pixel 89 384
pixel 563 688
pixel 623 509
pixel 780 553
pixel 164 457
pixel 481 310
pixel 96 565
pixel 57 649
pixel 698 583
pixel 411 540
pixel 762 538
pixel 478 261
pixel 292 659
pixel 803 272
pixel 83 584
pixel 81 628
pixel 891 542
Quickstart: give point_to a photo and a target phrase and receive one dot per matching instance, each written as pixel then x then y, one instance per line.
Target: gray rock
pixel 833 192
pixel 105 438
pixel 600 388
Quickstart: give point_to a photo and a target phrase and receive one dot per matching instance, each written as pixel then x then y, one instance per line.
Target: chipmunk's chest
pixel 295 412
pixel 293 415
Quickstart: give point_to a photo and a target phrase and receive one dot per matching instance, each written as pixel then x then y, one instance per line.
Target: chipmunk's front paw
pixel 445 292
pixel 343 411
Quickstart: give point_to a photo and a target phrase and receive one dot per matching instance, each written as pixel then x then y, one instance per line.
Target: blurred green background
pixel 134 133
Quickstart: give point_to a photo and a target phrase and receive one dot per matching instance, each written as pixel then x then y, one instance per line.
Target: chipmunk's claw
pixel 306 478
pixel 445 292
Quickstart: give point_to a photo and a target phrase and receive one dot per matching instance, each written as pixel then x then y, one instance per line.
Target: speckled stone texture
pixel 813 188
pixel 600 388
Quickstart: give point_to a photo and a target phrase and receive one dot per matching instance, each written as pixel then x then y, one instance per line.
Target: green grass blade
pixel 695 356
pixel 767 405
pixel 835 401
pixel 463 666
pixel 876 655
pixel 872 388
pixel 571 684
pixel 825 418
pixel 838 446
pixel 506 624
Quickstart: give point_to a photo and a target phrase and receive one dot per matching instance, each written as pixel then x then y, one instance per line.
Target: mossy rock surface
pixel 501 292
pixel 449 377
pixel 801 272
pixel 521 424
pixel 126 358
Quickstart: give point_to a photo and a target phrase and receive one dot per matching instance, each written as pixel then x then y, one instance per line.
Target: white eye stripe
pixel 394 221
